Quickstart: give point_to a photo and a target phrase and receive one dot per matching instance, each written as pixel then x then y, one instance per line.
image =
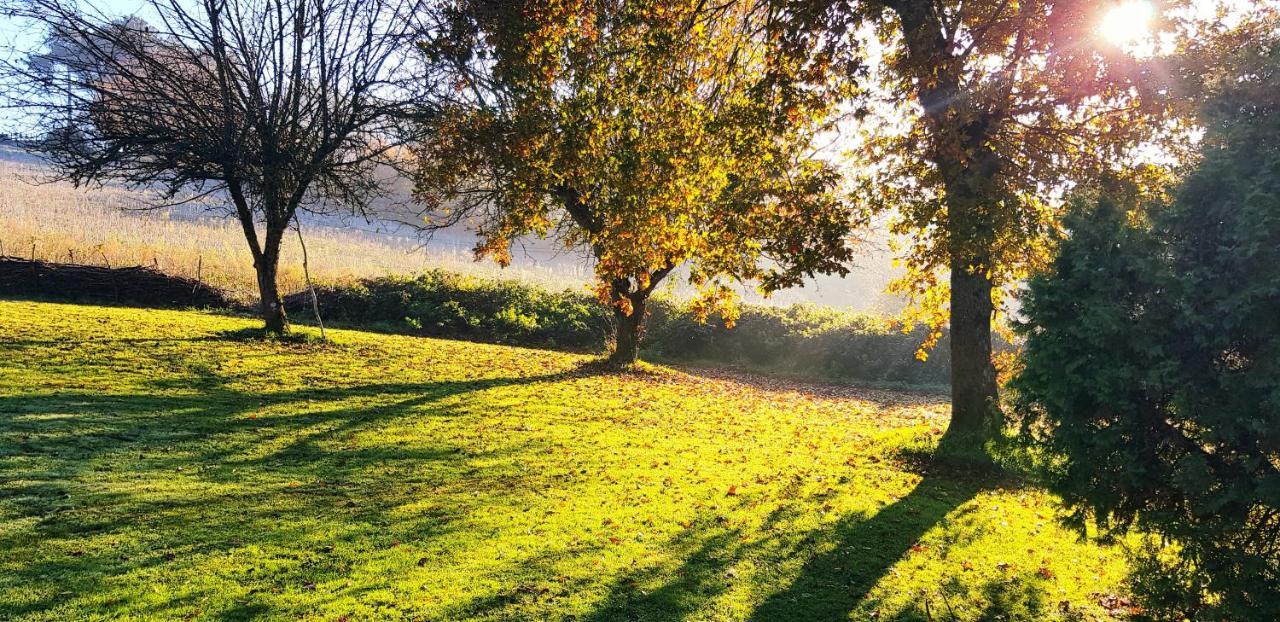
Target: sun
pixel 1128 22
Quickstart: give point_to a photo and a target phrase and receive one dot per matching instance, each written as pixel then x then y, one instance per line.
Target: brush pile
pixel 136 285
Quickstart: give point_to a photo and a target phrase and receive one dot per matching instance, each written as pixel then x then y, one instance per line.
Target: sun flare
pixel 1127 22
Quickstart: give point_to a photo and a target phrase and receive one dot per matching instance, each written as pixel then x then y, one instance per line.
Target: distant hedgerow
pixel 801 339
pixel 447 304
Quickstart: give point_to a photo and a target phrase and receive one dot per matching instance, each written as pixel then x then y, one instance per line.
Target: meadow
pixel 167 465
pixel 113 226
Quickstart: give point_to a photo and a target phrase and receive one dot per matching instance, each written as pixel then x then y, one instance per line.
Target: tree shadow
pixel 212 438
pixel 832 583
pixel 851 558
pixel 701 577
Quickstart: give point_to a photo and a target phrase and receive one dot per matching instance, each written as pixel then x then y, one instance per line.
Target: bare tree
pixel 278 106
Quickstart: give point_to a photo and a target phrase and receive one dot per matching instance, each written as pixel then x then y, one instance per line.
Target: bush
pixel 801 339
pixel 445 304
pixel 1152 369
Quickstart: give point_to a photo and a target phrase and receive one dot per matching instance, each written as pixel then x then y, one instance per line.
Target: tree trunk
pixel 267 264
pixel 961 151
pixel 975 411
pixel 630 328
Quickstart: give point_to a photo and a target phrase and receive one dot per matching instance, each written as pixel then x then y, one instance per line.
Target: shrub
pixel 446 304
pixel 802 339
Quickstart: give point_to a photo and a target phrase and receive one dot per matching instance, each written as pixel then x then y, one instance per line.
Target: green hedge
pixel 447 304
pixel 801 339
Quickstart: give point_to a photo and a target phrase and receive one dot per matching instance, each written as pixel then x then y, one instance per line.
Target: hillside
pixel 47 221
pixel 163 465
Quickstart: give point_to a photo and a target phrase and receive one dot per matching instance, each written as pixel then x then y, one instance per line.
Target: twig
pixel 947 602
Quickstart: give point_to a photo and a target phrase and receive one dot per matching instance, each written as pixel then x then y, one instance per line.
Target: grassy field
pixel 164 465
pixel 48 221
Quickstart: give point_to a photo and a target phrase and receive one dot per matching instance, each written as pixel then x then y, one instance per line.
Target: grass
pixel 48 221
pixel 164 465
pixel 112 226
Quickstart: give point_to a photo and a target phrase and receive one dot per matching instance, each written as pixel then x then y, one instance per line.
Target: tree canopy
pixel 653 134
pixel 986 111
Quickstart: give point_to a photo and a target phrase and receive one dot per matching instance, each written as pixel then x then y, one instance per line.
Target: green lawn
pixel 159 465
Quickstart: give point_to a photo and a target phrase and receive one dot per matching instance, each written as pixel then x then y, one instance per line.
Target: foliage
pixel 983 112
pixel 653 134
pixel 1031 100
pixel 1151 360
pixel 448 304
pixel 153 468
pixel 802 339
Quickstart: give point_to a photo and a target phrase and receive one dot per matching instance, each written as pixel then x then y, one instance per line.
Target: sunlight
pixel 1127 22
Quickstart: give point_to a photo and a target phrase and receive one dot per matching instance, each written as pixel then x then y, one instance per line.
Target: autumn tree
pixel 987 110
pixel 654 134
pixel 274 107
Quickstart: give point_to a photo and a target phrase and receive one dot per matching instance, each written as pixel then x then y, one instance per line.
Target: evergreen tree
pixel 1152 361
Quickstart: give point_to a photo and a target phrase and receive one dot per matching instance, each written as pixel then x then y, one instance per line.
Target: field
pixel 166 465
pixel 48 221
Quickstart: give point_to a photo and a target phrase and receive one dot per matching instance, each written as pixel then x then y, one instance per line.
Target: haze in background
pixel 113 225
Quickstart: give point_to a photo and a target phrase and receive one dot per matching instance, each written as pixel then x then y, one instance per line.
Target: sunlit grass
pixel 111 226
pixel 160 465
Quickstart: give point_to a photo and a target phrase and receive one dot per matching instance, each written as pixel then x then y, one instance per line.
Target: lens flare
pixel 1127 23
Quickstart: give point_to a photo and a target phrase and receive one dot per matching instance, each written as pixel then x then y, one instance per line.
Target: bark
pixel 267 264
pixel 974 400
pixel 969 168
pixel 630 330
pixel 630 327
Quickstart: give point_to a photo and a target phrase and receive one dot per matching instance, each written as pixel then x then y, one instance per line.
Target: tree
pixel 1152 360
pixel 1006 104
pixel 654 134
pixel 276 106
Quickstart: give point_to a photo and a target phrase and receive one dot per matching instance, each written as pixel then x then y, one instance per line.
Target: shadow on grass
pixel 833 582
pixel 702 576
pixel 233 466
pixel 842 565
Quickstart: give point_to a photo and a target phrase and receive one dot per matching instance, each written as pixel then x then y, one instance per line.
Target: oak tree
pixel 1007 103
pixel 654 134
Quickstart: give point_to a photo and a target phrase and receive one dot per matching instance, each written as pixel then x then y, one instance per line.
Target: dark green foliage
pixel 1152 366
pixel 446 304
pixel 801 339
